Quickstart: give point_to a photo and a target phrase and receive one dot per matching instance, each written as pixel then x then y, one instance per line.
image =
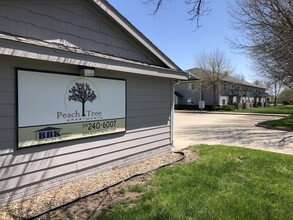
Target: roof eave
pixel 40 50
pixel 131 29
pixel 244 83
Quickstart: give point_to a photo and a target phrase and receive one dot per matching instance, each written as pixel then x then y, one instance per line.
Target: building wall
pixel 73 23
pixel 249 96
pixel 208 97
pixel 232 93
pixel 31 170
pixel 184 88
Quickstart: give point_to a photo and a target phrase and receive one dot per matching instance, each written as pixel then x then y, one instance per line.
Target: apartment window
pixel 191 86
pixel 190 101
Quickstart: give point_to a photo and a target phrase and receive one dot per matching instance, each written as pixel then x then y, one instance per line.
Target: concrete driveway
pixel 228 129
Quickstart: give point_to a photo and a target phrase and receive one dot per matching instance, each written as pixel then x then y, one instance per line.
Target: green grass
pixel 282 109
pixel 137 188
pixel 225 183
pixel 286 123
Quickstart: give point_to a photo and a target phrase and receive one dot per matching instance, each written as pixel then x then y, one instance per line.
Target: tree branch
pixel 198 8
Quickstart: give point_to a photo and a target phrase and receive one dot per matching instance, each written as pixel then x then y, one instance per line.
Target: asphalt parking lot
pixel 229 129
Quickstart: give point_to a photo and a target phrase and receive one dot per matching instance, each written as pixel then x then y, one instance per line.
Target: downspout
pixel 175 83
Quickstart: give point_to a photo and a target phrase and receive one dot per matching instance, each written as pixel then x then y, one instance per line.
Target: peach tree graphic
pixel 81 92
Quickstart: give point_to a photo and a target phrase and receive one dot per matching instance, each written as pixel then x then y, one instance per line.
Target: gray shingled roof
pixel 241 82
pixel 195 74
pixel 19 46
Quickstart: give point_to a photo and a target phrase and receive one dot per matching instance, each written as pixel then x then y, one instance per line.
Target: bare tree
pixel 265 31
pixel 286 96
pixel 197 8
pixel 274 87
pixel 239 76
pixel 258 83
pixel 82 93
pixel 213 67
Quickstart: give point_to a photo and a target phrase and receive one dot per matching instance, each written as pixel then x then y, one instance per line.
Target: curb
pixel 233 113
pixel 274 128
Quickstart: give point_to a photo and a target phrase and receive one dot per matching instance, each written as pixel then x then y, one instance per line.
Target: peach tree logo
pixel 81 92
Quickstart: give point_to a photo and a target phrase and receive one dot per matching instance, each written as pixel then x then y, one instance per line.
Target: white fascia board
pixel 112 12
pixel 35 52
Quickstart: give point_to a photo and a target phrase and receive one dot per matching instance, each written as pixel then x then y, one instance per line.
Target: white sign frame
pixel 54 107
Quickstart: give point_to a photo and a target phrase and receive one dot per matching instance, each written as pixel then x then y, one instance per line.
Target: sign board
pixel 201 104
pixel 58 107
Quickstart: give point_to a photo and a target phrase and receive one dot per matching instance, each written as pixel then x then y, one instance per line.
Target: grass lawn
pixel 225 183
pixel 286 123
pixel 281 109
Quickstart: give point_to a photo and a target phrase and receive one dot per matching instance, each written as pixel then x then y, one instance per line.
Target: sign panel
pixel 201 104
pixel 56 107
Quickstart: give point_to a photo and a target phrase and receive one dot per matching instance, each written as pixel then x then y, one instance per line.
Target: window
pixel 191 86
pixel 190 101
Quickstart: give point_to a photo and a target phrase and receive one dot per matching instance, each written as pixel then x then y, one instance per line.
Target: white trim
pixel 175 83
pixel 36 52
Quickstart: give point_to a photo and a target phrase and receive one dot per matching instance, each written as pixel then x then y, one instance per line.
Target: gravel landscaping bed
pixel 58 196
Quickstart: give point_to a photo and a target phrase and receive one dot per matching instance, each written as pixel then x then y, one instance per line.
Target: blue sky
pixel 173 34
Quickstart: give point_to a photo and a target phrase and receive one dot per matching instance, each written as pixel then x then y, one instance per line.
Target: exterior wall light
pixel 87 71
